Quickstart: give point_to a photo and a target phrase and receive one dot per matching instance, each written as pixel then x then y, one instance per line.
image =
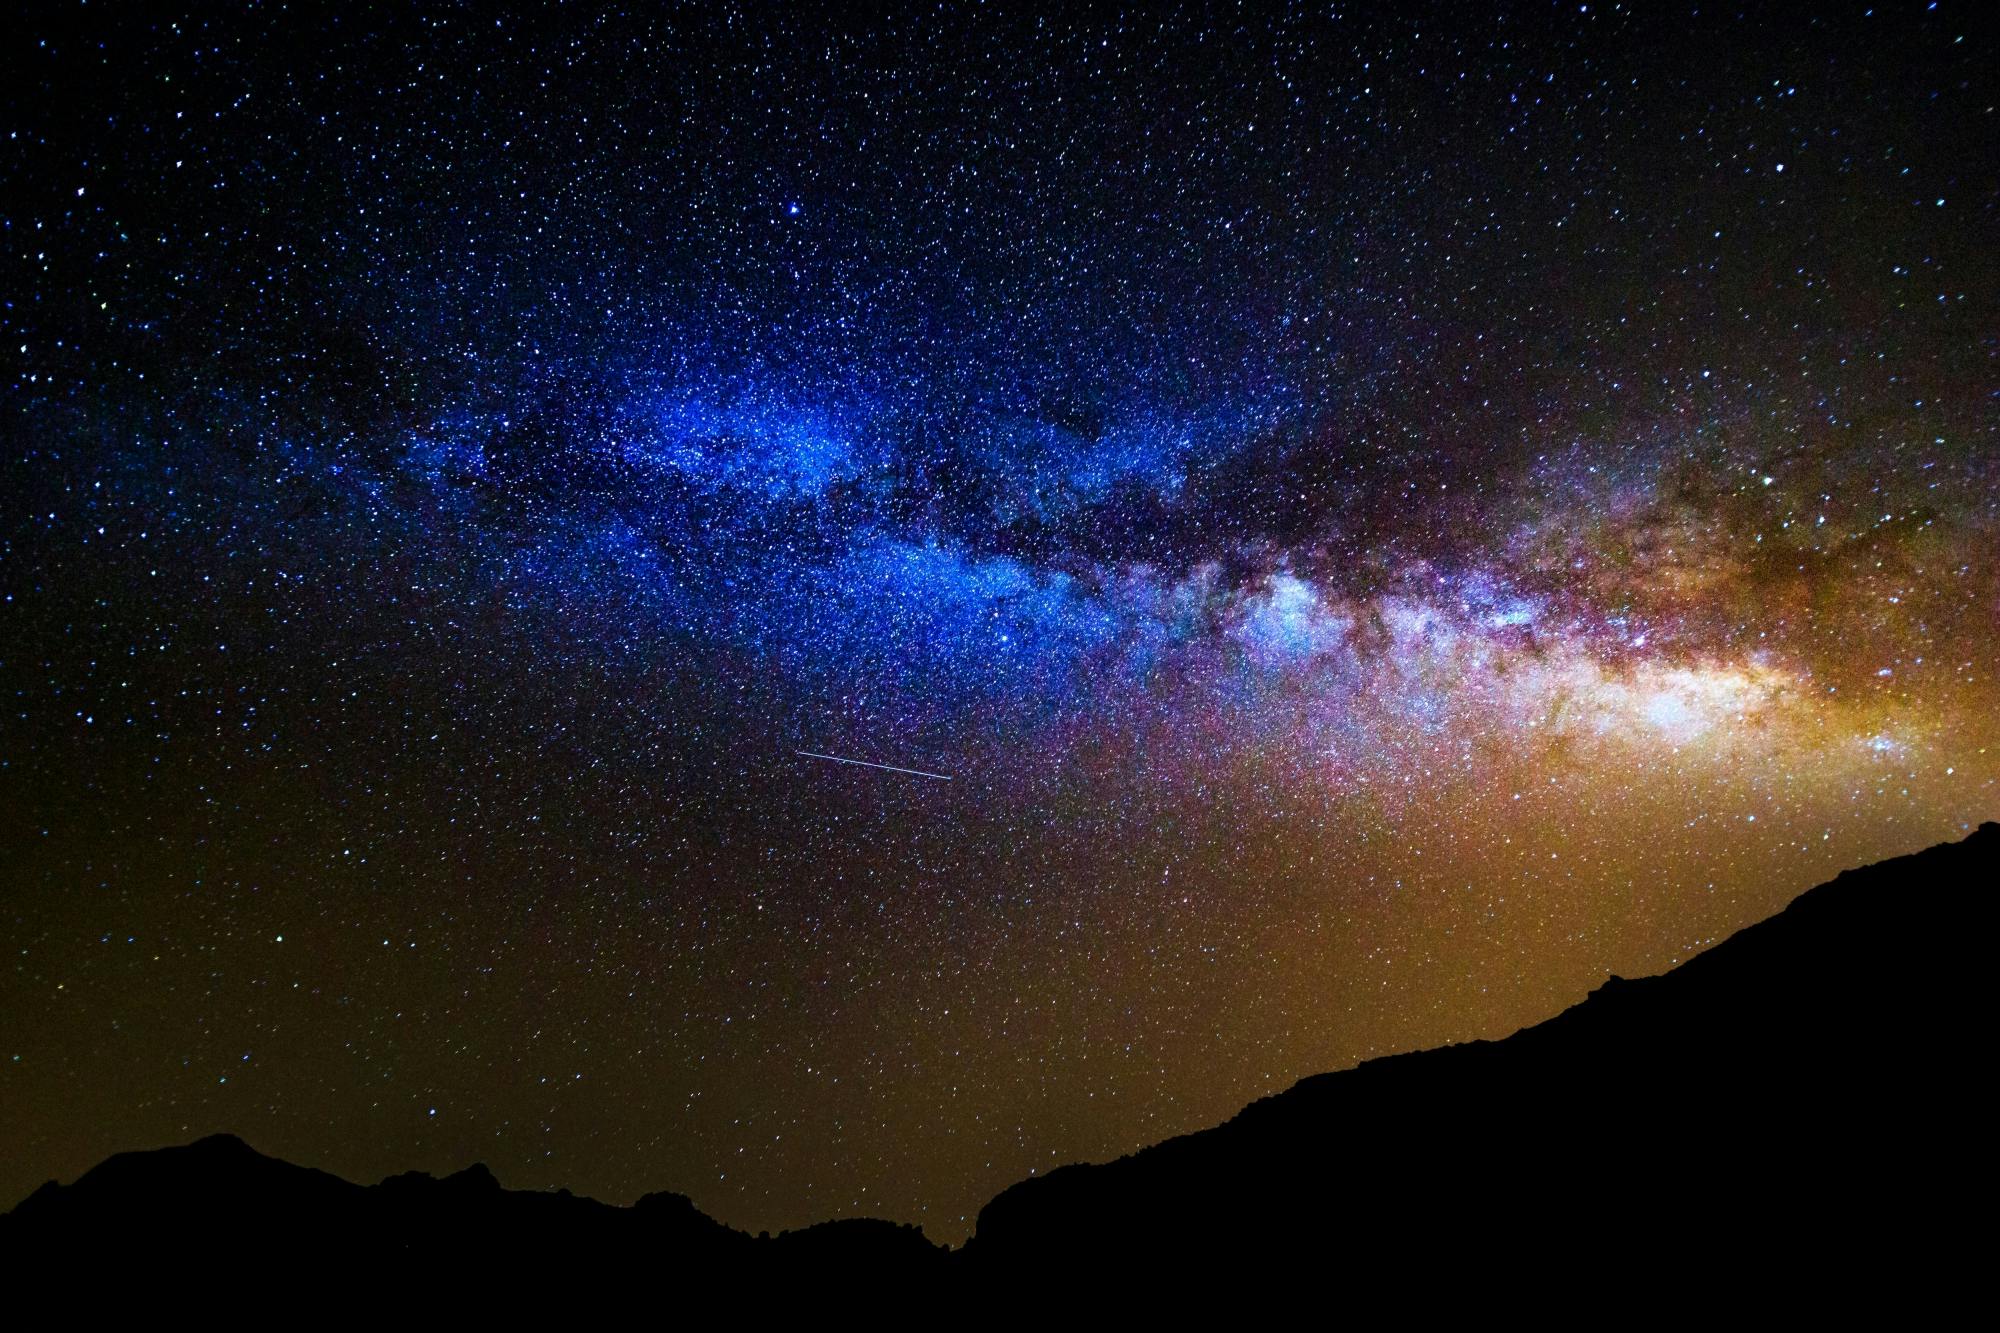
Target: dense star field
pixel 1374 520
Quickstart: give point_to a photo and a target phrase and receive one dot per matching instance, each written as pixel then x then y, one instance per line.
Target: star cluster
pixel 1379 517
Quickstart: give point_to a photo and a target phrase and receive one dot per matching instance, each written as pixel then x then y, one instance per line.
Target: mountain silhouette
pixel 1806 1098
pixel 1801 1112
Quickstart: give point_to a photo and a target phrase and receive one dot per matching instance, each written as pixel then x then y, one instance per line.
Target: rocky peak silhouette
pixel 1802 1104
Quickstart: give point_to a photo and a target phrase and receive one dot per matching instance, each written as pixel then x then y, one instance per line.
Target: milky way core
pixel 1382 518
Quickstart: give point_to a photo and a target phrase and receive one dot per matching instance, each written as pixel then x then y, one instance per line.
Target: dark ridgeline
pixel 1802 1106
pixel 217 1215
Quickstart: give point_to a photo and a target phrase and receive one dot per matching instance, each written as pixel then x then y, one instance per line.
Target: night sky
pixel 1374 520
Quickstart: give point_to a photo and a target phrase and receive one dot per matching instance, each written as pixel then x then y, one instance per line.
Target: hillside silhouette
pixel 1802 1106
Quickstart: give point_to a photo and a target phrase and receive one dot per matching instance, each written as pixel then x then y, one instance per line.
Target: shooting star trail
pixel 863 763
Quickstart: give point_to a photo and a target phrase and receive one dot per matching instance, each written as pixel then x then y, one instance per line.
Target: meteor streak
pixel 887 768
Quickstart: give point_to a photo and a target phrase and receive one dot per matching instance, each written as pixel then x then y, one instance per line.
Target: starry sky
pixel 1373 517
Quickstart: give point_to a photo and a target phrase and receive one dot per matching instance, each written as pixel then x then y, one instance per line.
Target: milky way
pixel 1383 519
